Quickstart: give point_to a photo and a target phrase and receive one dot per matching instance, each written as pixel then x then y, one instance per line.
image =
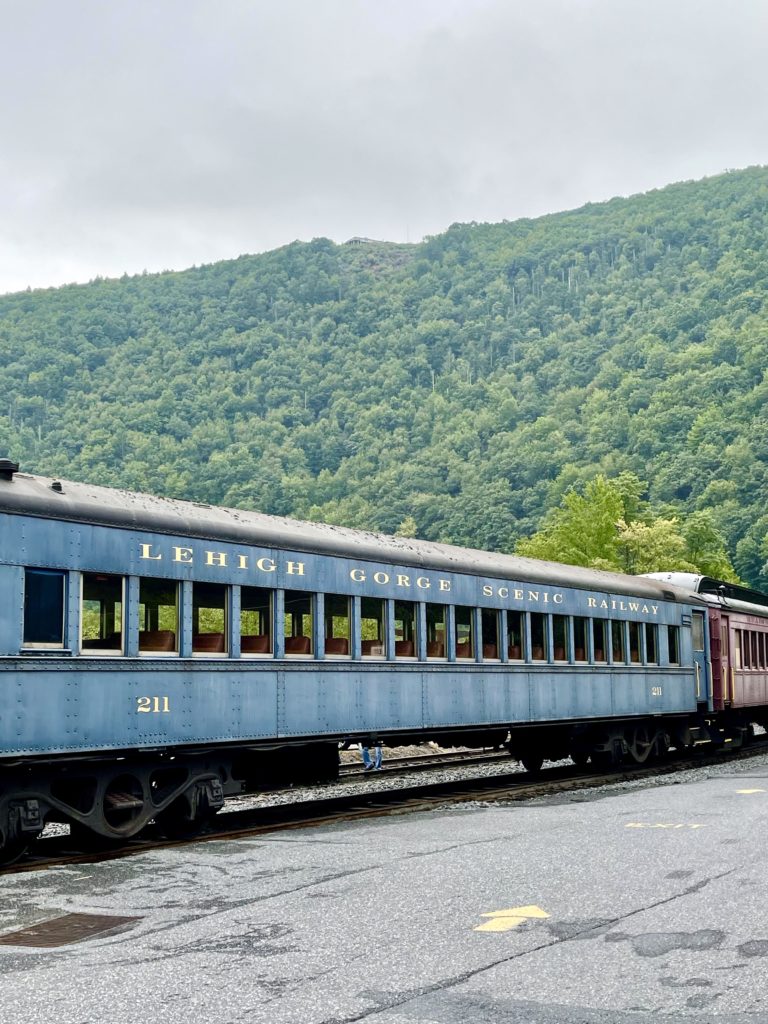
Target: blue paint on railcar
pixel 59 707
pixel 51 703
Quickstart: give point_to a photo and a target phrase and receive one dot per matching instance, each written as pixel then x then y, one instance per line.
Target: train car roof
pixel 46 497
pixel 727 595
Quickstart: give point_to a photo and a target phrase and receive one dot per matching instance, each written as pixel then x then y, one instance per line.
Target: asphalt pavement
pixel 603 907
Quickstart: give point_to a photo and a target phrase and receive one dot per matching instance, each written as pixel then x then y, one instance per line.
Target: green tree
pixel 583 531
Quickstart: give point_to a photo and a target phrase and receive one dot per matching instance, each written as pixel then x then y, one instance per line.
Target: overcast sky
pixel 157 134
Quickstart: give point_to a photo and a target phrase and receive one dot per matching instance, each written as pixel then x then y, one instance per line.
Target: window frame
pixel 312 598
pixel 107 652
pixel 176 585
pixel 227 617
pixel 348 637
pixel 45 645
pixel 381 623
pixel 270 592
pixel 415 629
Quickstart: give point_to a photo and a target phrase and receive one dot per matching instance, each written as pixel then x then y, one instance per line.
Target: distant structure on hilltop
pixel 362 241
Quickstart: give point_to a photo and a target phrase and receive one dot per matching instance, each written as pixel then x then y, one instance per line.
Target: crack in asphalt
pixel 460 979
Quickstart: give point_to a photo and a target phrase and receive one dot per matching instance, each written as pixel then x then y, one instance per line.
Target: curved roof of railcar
pixel 727 595
pixel 25 494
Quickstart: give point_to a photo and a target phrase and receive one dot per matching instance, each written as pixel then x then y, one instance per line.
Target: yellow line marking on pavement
pixel 750 790
pixel 504 920
pixel 662 824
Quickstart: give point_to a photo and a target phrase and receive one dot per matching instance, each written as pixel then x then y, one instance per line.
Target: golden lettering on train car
pixel 403 581
pixel 382 578
pixel 266 565
pixel 533 596
pixel 216 558
pixel 153 705
pixel 423 583
pixel 146 552
pixel 242 561
pixel 444 584
pixel 183 555
pixel 623 606
pixel 357 575
pixel 295 568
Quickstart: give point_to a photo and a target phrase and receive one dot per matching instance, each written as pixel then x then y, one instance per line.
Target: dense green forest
pixel 456 389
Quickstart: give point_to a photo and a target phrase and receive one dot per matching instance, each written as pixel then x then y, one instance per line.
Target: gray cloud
pixel 160 134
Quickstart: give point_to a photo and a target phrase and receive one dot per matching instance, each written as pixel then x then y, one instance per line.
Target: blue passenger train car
pixel 157 655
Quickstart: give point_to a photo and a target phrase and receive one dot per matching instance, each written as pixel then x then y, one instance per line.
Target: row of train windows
pixel 102 625
pixel 750 649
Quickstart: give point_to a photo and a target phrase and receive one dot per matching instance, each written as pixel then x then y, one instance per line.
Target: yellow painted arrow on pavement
pixel 504 920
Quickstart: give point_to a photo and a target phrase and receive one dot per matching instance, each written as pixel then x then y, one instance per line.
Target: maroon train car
pixel 738 643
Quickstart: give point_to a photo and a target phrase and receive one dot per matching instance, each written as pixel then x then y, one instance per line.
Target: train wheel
pixel 86 840
pixel 532 761
pixel 12 850
pixel 190 814
pixel 603 759
pixel 178 823
pixel 15 841
pixel 641 742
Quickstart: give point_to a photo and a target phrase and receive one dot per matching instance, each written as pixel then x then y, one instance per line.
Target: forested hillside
pixel 463 384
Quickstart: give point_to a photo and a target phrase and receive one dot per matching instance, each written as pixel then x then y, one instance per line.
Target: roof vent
pixel 56 486
pixel 7 469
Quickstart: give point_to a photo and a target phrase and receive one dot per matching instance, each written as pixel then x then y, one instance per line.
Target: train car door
pixel 725 656
pixel 699 638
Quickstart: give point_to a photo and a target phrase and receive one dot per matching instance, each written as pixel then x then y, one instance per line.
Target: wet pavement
pixel 611 906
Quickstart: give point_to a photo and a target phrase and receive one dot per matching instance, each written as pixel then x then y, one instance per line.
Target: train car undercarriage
pixel 108 799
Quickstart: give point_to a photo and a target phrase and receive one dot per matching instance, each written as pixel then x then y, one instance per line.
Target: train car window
pixel 580 650
pixel 560 637
pixel 673 641
pixel 697 631
pixel 538 636
pixel 761 649
pixel 298 624
pixel 755 662
pixel 745 649
pixel 436 631
pixel 337 626
pixel 255 621
pixel 43 608
pixel 515 632
pixel 158 617
pixel 209 619
pixel 490 638
pixel 738 661
pixel 465 632
pixel 618 650
pixel 101 614
pixel 405 629
pixel 599 637
pixel 634 642
pixel 372 627
pixel 651 643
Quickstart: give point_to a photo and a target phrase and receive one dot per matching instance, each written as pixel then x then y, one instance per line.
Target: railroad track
pixel 253 821
pixel 426 762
